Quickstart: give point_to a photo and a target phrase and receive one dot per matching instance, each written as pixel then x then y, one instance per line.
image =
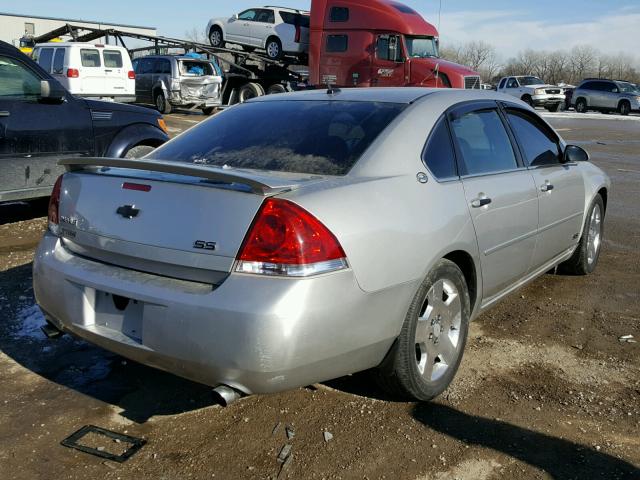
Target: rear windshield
pixel 112 59
pixel 313 137
pixel 194 68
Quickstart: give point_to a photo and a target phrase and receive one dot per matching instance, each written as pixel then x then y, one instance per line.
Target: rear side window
pixel 339 14
pixel 45 58
pixel 90 58
pixel 312 137
pixel 112 59
pixel 483 142
pixel 58 61
pixel 439 154
pixel 162 66
pixel 296 19
pixel 540 146
pixel 337 43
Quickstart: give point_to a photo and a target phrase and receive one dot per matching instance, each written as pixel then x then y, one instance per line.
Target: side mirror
pixel 573 154
pixel 235 16
pixel 52 91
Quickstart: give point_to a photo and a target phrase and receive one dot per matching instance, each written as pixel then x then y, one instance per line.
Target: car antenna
pixel 331 90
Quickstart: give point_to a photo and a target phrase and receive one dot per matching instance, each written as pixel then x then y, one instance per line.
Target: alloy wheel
pixel 273 50
pixel 216 38
pixel 594 235
pixel 437 336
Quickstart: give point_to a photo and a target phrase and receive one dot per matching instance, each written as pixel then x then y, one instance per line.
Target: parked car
pixel 606 96
pixel 533 91
pixel 345 230
pixel 41 122
pixel 277 30
pixel 102 72
pixel 168 81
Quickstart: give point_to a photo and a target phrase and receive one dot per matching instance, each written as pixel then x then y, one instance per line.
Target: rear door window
pixel 265 16
pixel 312 137
pixel 439 155
pixel 45 58
pixel 483 142
pixel 539 144
pixel 112 59
pixel 58 61
pixel 145 66
pixel 90 58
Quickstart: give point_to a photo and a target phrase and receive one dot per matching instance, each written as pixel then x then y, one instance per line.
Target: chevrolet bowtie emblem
pixel 128 211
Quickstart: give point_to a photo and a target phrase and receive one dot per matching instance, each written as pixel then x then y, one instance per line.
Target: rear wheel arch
pixel 465 263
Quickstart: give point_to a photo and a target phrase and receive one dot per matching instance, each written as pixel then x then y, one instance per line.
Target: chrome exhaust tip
pixel 226 395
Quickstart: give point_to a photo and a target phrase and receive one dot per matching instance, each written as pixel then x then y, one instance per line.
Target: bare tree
pixel 196 35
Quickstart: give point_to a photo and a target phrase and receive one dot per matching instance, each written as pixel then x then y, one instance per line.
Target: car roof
pixel 78 44
pixel 405 95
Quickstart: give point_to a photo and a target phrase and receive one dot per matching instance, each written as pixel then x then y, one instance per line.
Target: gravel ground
pixel 546 389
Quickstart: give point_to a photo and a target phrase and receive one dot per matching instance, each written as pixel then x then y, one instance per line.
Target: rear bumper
pixel 258 335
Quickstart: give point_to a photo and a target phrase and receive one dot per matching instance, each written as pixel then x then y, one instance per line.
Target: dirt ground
pixel 546 389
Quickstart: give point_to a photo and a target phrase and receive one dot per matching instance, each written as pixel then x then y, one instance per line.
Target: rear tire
pixel 216 38
pixel 624 108
pixel 139 151
pixel 274 48
pixel 276 89
pixel 585 259
pixel 581 105
pixel 426 356
pixel 249 91
pixel 161 103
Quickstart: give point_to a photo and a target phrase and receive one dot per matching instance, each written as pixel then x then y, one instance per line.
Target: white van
pixel 88 70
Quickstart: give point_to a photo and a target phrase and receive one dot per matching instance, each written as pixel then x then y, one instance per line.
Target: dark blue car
pixel 41 122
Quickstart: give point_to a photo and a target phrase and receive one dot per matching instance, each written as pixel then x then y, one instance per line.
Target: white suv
pixel 277 30
pixel 533 91
pixel 88 70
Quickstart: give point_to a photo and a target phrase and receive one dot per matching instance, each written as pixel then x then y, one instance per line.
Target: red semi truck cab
pixel 378 43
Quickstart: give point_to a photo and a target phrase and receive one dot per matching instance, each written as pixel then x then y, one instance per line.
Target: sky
pixel 612 26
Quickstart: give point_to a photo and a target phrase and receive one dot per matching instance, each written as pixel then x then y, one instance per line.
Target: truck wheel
pixel 553 108
pixel 249 91
pixel 426 355
pixel 276 88
pixel 161 103
pixel 208 110
pixel 216 39
pixel 274 48
pixel 527 99
pixel 624 108
pixel 581 105
pixel 585 258
pixel 139 151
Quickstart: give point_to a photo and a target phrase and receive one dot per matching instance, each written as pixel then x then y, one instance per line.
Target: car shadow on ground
pixel 560 459
pixel 140 392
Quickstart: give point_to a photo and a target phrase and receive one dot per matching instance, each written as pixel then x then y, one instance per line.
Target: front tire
pixel 427 354
pixel 624 108
pixel 216 38
pixel 585 259
pixel 528 100
pixel 581 105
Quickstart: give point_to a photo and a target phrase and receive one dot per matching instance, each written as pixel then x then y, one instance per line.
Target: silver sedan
pixel 298 238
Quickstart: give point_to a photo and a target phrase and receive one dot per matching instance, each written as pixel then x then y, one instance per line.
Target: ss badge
pixel 202 245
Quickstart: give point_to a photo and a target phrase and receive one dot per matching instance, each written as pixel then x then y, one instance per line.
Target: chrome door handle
pixel 480 202
pixel 547 187
pixel 5 114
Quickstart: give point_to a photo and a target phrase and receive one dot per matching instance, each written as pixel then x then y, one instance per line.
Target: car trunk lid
pixel 173 219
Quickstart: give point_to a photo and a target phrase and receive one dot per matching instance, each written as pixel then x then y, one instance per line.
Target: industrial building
pixel 15 28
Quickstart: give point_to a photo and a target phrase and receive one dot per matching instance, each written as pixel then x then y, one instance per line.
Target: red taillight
pixel 73 73
pixel 54 206
pixel 298 33
pixel 132 75
pixel 138 187
pixel 285 239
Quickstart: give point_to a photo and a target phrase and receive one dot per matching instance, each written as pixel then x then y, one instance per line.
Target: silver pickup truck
pixel 533 91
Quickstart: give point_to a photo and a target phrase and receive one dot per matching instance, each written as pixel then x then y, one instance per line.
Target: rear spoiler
pixel 217 174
